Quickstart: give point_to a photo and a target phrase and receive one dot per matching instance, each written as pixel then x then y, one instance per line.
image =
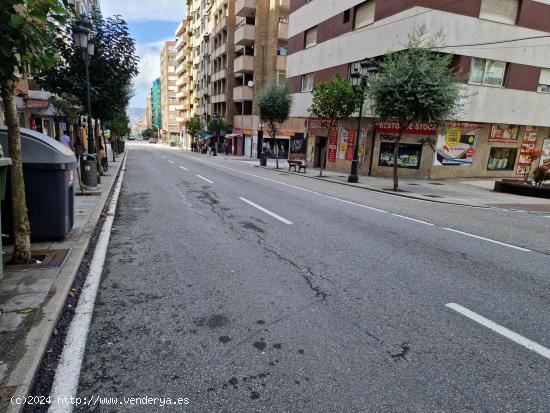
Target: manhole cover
pixel 88 194
pixel 435 183
pixel 47 259
pixel 412 184
pixel 433 196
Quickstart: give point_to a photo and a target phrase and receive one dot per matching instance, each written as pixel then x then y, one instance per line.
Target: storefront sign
pixel 503 133
pixel 297 148
pixel 37 103
pixel 456 145
pixel 545 155
pixel 414 129
pixel 528 144
pixel 332 145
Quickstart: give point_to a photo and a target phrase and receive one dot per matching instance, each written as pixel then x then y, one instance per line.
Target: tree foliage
pixel 67 106
pixel 194 127
pixel 27 28
pixel 274 103
pixel 332 102
pixel 415 85
pixel 112 67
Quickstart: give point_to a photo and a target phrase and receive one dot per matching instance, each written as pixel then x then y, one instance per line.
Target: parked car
pixel 131 138
pixel 152 140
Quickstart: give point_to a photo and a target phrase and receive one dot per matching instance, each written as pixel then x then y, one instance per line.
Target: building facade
pixel 507 106
pixel 184 80
pixel 168 89
pixel 148 120
pixel 156 104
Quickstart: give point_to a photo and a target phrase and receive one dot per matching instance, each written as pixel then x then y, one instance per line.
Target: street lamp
pixel 82 41
pixel 359 80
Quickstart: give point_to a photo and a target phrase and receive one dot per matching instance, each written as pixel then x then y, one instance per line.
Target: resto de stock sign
pixel 413 129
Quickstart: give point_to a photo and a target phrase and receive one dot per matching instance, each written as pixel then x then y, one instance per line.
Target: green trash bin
pixel 4 165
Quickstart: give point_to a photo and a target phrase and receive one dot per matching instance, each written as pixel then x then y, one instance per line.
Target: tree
pixel 216 125
pixel 112 67
pixel 332 102
pixel 414 85
pixel 194 127
pixel 274 103
pixel 27 30
pixel 69 107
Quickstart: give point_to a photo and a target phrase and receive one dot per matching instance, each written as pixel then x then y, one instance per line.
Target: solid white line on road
pixel 204 179
pixel 489 240
pixel 183 167
pixel 268 212
pixel 415 220
pixel 172 162
pixel 163 157
pixel 503 331
pixel 68 370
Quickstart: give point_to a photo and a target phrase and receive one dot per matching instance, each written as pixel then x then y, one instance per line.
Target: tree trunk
pixel 21 227
pixel 105 146
pixel 395 159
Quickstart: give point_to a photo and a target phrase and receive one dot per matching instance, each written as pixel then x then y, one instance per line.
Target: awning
pixel 232 135
pixel 205 136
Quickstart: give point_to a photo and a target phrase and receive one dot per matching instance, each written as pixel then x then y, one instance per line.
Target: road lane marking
pixel 67 373
pixel 163 157
pixel 267 211
pixel 503 331
pixel 415 220
pixel 488 240
pixel 183 167
pixel 204 179
pixel 172 162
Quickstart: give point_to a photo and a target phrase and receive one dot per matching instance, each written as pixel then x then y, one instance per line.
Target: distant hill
pixel 136 113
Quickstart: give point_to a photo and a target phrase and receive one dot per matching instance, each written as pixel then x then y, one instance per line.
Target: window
pixel 502 11
pixel 364 14
pixel 408 156
pixel 171 48
pixel 281 76
pixel 346 16
pixel 171 58
pixel 307 82
pixel 502 159
pixel 544 81
pixel 311 37
pixel 487 72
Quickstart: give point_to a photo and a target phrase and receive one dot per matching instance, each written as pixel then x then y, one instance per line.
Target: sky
pixel 151 22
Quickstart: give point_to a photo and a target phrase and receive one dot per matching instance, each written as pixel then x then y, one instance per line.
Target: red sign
pixel 332 145
pixel 470 152
pixel 414 129
pixel 350 150
pixel 37 103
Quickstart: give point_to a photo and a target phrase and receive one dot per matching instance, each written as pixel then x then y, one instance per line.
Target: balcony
pixel 244 64
pixel 281 62
pixel 241 93
pixel 283 31
pixel 218 98
pixel 284 6
pixel 180 81
pixel 222 24
pixel 245 8
pixel 220 74
pixel 245 35
pixel 180 94
pixel 219 51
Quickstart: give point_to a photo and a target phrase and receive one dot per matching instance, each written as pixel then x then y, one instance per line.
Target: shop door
pixel 247 146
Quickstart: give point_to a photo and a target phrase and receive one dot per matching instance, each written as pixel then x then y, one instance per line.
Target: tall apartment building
pixel 149 110
pixel 169 101
pixel 184 82
pixel 156 104
pixel 507 109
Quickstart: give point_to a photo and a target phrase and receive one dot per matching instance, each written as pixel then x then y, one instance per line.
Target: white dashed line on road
pixel 415 220
pixel 503 331
pixel 172 162
pixel 204 179
pixel 488 240
pixel 183 167
pixel 267 211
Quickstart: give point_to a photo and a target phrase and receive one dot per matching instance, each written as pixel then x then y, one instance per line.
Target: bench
pixel 294 164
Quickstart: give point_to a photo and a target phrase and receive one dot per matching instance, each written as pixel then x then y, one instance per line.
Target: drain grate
pixel 435 183
pixel 47 258
pixel 88 194
pixel 410 183
pixel 432 196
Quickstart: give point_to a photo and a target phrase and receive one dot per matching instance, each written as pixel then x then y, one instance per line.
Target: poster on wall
pixel 297 147
pixel 362 145
pixel 504 133
pixel 342 143
pixel 332 145
pixel 527 144
pixel 456 145
pixel 350 150
pixel 545 155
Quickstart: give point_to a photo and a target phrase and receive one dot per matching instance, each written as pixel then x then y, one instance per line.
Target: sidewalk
pixel 33 297
pixel 476 192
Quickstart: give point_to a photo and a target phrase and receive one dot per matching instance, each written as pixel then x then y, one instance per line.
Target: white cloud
pixel 131 10
pixel 149 70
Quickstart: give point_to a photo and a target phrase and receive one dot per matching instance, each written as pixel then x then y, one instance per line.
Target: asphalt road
pixel 243 289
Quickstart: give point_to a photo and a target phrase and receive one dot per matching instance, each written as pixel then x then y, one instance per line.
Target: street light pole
pixel 360 81
pixel 91 143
